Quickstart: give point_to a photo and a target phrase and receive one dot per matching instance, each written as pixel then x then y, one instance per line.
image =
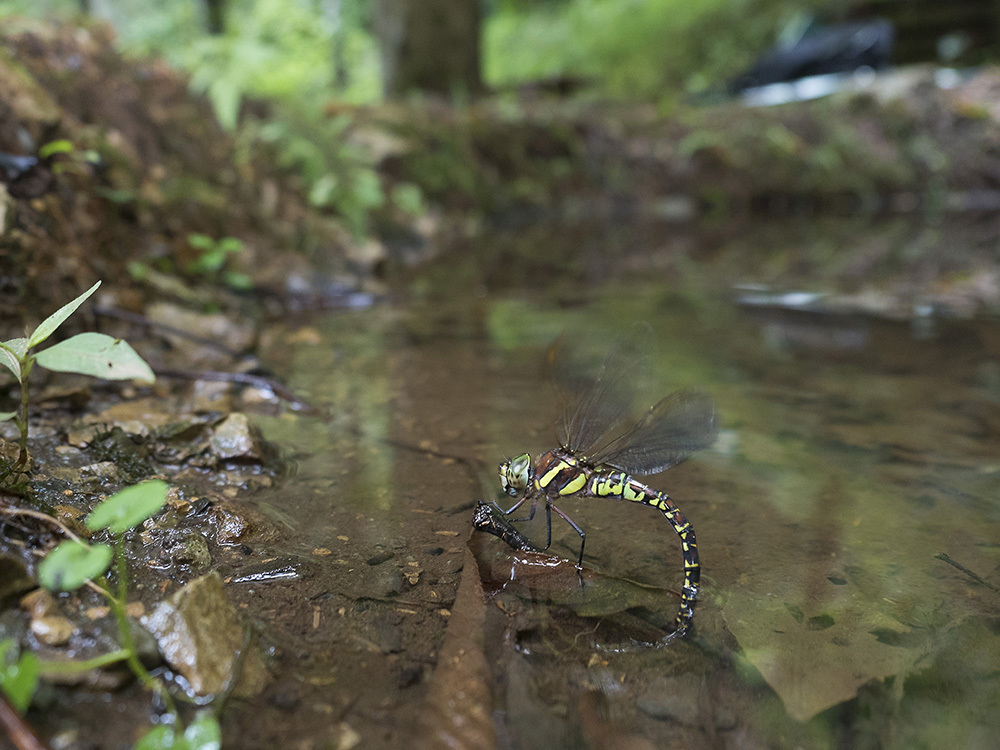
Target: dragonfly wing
pixel 599 404
pixel 680 424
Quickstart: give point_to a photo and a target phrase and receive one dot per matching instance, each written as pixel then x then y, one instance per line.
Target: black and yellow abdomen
pixel 560 474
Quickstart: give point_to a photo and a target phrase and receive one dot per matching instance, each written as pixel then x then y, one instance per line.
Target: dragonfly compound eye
pixel 515 474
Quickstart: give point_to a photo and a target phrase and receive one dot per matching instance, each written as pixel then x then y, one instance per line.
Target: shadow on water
pixel 847 519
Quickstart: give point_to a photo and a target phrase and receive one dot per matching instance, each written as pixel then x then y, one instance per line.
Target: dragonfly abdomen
pixel 614 483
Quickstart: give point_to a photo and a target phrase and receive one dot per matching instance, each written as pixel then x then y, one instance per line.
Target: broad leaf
pixel 5 415
pixel 204 732
pixel 18 679
pixel 72 564
pixel 129 508
pixel 51 323
pixel 96 354
pixel 11 353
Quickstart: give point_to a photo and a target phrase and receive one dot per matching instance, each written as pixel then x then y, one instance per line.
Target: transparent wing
pixel 598 405
pixel 680 424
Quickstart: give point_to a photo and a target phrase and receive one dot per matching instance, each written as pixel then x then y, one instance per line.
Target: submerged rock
pixel 200 636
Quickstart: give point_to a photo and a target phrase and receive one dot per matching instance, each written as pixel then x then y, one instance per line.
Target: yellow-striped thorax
pixel 516 474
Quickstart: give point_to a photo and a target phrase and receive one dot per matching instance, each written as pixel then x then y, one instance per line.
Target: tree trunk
pixel 429 45
pixel 216 16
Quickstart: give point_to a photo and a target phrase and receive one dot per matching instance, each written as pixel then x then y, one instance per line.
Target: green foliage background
pixel 297 49
pixel 310 60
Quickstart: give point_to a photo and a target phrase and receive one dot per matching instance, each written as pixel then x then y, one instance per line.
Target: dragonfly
pixel 600 454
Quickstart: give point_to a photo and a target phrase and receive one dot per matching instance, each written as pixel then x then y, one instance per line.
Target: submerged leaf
pixel 48 326
pixel 72 564
pixel 96 354
pixel 128 508
pixel 817 662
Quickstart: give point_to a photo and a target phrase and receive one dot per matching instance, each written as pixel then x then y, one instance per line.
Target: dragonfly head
pixel 515 474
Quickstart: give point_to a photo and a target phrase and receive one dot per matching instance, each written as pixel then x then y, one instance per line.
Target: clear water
pixel 848 519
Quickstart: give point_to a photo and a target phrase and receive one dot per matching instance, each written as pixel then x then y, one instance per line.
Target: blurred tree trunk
pixel 216 16
pixel 429 45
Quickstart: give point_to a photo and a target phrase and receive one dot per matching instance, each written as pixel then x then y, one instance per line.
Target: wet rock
pixel 14 578
pixel 219 328
pixel 189 548
pixel 103 470
pixel 388 582
pixel 235 437
pixel 140 417
pixel 234 526
pixel 199 635
pixel 52 630
pixel 380 558
pixel 47 625
pixel 38 603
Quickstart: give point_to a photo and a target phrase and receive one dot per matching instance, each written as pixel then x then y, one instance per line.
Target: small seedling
pixel 212 257
pixel 94 354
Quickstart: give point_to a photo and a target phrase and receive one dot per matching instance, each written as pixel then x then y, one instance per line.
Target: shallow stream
pixel 847 518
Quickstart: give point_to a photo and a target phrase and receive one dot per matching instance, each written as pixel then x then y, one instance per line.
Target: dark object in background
pixel 821 50
pixel 26 176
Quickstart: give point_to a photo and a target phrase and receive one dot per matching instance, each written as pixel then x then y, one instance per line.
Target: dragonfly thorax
pixel 516 474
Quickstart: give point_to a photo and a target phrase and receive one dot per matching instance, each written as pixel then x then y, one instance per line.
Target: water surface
pixel 847 518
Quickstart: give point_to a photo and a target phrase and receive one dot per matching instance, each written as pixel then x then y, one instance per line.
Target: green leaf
pixel 96 354
pixel 162 737
pixel 200 241
pixel 61 146
pixel 51 323
pixel 204 733
pixel 5 415
pixel 11 353
pixel 129 508
pixel 72 564
pixel 19 679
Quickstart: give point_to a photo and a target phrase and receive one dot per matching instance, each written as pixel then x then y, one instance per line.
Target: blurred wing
pixel 680 424
pixel 598 405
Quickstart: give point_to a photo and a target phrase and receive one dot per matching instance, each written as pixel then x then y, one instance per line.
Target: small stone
pixel 235 437
pixel 190 549
pixel 199 635
pixel 38 603
pixel 52 630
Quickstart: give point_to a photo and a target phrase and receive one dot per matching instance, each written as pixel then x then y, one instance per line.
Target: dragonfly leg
pixel 512 508
pixel 577 529
pixel 531 508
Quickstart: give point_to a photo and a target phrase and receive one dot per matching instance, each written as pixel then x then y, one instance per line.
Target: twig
pixel 42 517
pixel 142 320
pixel 18 730
pixel 974 576
pixel 257 381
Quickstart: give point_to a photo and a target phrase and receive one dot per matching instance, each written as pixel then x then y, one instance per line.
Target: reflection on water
pixel 847 520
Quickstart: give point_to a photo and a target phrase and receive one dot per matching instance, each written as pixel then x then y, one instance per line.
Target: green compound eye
pixel 515 473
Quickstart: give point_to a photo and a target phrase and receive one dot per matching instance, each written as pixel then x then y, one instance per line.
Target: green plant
pixel 86 353
pixel 212 259
pixel 75 563
pixel 18 674
pixel 74 161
